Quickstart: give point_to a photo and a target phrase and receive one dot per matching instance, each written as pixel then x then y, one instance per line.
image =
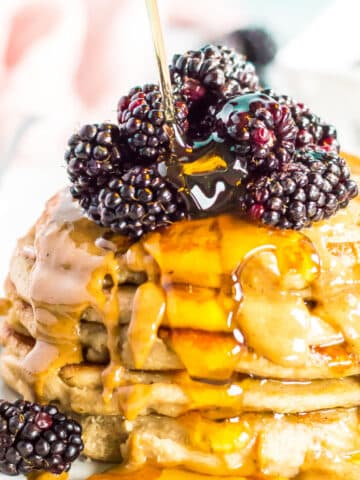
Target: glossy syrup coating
pixel 208 180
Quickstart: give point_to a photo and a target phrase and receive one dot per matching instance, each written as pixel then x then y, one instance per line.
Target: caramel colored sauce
pixel 47 476
pixel 151 473
pixel 354 457
pixel 339 357
pixel 207 309
pixel 204 435
pixel 201 356
pixel 207 163
pixel 231 253
pixel 147 316
pixel 148 473
pixel 5 306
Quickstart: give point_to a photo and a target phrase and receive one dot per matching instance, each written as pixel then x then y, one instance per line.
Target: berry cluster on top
pixel 291 173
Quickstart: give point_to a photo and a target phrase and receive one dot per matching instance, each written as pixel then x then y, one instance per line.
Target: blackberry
pixel 93 154
pixel 138 202
pixel 312 187
pixel 213 70
pixel 313 131
pixel 205 77
pixel 202 122
pixel 259 128
pixel 36 437
pixel 142 122
pixel 256 44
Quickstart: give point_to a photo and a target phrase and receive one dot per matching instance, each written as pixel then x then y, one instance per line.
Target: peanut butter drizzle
pixel 67 278
pixel 107 303
pixel 149 302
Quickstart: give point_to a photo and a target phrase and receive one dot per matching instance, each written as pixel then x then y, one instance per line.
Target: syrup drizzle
pixel 228 259
pixel 176 136
pixel 213 189
pixel 206 191
pixel 207 185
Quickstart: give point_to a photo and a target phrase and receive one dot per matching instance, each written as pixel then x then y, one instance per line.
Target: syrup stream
pixel 158 40
pixel 164 75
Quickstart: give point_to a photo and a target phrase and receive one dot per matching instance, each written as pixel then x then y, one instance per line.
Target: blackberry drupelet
pixel 313 131
pixel 215 70
pixel 138 202
pixel 259 128
pixel 142 122
pixel 36 437
pixel 312 187
pixel 93 154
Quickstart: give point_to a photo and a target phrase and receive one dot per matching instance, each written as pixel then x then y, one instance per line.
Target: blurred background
pixel 64 63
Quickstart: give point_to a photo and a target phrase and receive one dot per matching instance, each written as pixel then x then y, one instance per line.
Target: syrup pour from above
pixel 176 135
pixel 205 174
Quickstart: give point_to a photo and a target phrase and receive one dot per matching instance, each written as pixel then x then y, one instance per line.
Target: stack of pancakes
pixel 215 345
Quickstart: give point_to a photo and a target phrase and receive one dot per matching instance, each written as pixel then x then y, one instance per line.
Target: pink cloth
pixel 67 62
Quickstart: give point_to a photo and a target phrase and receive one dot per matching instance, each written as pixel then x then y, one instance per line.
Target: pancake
pixel 103 436
pixel 334 361
pixel 244 445
pixel 250 444
pixel 79 388
pixel 324 362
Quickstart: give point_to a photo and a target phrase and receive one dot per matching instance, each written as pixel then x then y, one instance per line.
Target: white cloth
pixel 321 67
